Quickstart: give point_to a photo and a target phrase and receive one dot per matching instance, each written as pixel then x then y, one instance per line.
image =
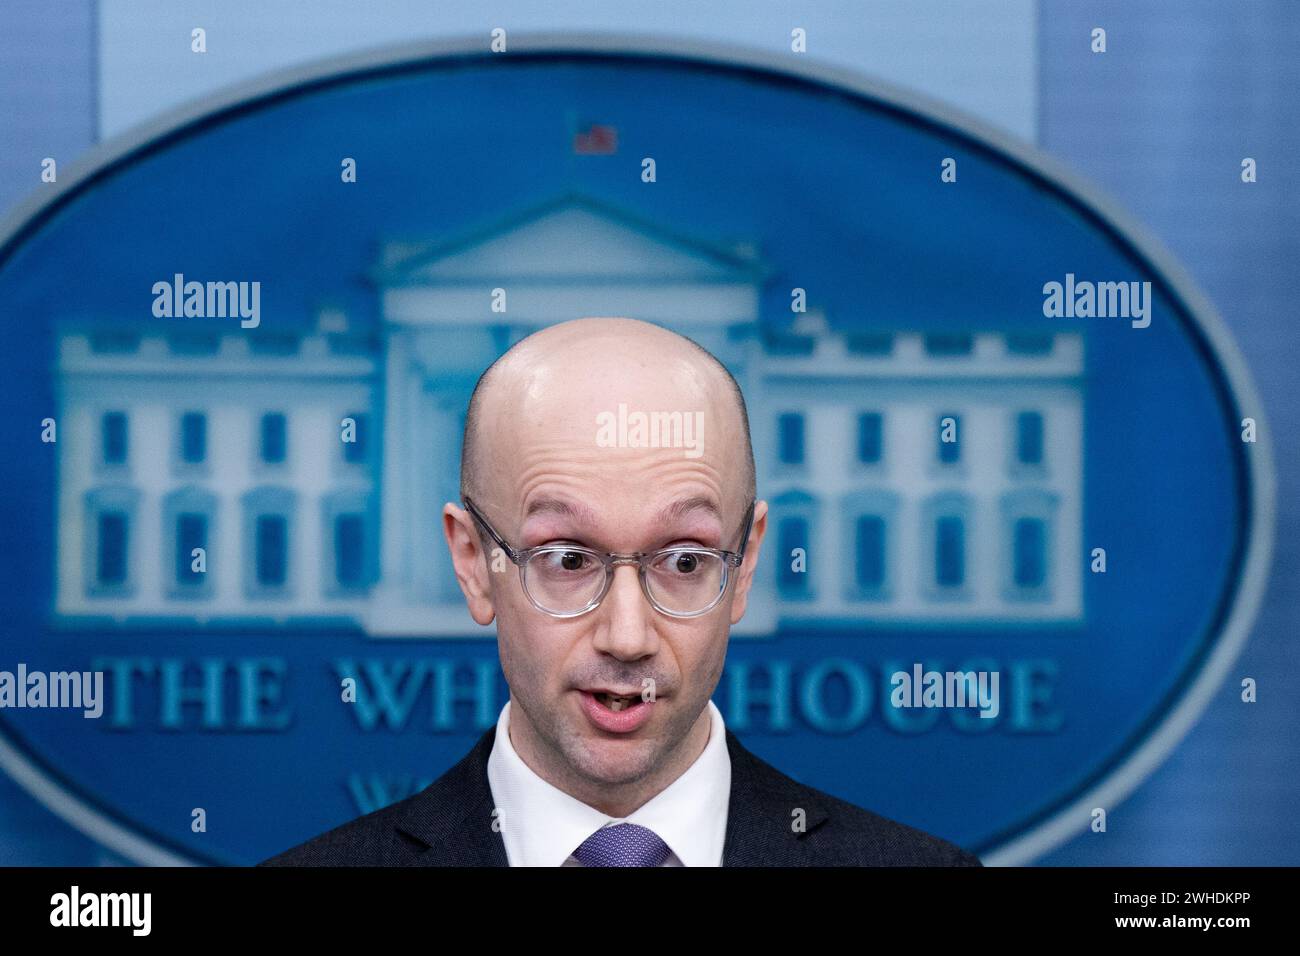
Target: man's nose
pixel 626 629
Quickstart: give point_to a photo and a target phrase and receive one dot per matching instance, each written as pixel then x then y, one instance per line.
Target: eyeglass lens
pixel 564 581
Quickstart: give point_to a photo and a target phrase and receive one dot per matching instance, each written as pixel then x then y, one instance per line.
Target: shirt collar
pixel 542 825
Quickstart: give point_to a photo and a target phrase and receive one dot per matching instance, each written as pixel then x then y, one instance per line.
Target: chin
pixel 615 761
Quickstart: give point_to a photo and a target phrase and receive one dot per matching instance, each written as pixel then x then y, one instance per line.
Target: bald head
pixel 631 355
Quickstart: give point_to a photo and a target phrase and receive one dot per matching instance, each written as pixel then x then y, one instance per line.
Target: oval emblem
pixel 999 431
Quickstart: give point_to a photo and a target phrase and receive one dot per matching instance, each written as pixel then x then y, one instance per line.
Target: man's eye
pixel 682 563
pixel 567 561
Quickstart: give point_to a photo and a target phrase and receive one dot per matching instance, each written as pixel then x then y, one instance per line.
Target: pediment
pixel 572 238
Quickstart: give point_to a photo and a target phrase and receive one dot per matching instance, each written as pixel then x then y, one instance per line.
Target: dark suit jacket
pixel 449 823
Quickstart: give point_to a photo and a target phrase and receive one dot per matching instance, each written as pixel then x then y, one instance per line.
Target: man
pixel 614 569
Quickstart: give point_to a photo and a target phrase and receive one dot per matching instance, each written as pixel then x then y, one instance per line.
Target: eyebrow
pixel 679 509
pixel 559 506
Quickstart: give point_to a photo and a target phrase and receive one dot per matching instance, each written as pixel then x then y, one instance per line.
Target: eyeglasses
pixel 565 580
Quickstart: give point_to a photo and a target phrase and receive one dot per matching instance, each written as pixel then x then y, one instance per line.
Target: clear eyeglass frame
pixel 610 560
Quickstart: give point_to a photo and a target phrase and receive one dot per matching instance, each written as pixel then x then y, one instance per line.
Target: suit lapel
pixel 452 818
pixel 763 811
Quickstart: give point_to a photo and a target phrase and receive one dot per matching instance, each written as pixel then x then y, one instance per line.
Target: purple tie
pixel 623 844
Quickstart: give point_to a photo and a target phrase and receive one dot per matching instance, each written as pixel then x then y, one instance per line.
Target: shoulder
pixel 856 836
pixel 404 833
pixel 836 832
pixel 370 840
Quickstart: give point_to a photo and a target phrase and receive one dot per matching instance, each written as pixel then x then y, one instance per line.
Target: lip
pixel 624 721
pixel 612 691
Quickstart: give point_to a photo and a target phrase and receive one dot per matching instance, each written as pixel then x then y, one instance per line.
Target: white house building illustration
pixel 245 477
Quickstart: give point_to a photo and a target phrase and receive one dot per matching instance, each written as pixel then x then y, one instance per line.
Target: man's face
pixel 562 486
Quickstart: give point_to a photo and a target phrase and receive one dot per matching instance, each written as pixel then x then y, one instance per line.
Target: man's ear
pixel 467 557
pixel 745 572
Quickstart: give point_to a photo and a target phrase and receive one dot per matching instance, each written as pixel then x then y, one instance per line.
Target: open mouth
pixel 616 703
pixel 616 713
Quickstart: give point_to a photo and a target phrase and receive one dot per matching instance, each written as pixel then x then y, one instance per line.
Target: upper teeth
pixel 617 703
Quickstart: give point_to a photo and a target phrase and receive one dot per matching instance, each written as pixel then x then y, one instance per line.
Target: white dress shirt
pixel 542 825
